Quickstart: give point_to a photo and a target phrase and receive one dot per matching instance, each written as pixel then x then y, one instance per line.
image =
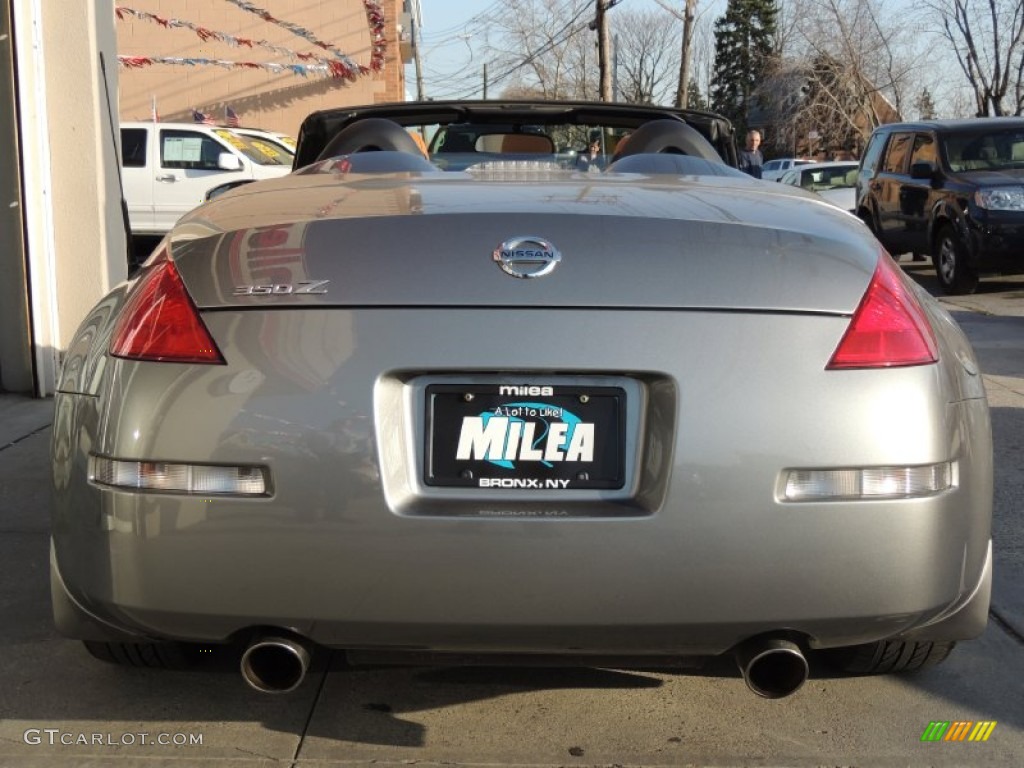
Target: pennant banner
pixel 303 70
pixel 340 67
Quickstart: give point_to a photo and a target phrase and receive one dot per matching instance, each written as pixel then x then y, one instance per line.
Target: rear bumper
pixel 84 618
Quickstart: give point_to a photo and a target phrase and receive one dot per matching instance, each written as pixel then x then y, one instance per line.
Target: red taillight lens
pixel 889 328
pixel 159 322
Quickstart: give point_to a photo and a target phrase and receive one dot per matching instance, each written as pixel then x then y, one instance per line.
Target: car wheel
pixel 869 221
pixel 153 655
pixel 887 656
pixel 955 276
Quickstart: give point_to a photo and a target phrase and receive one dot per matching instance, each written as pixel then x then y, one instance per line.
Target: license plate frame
pixel 579 432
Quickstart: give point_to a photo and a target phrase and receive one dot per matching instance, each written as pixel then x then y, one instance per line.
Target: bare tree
pixel 647 54
pixel 548 49
pixel 691 24
pixel 703 54
pixel 544 47
pixel 851 62
pixel 787 26
pixel 987 38
pixel 961 103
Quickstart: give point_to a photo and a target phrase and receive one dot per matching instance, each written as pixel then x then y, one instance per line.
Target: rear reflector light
pixel 889 328
pixel 867 483
pixel 195 479
pixel 159 322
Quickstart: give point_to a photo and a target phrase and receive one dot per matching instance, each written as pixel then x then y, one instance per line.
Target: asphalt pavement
pixel 59 707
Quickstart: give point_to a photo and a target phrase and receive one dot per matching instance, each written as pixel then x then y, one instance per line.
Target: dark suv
pixel 950 188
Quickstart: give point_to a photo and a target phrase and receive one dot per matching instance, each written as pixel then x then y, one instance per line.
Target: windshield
pixel 258 151
pixel 271 143
pixel 835 177
pixel 988 151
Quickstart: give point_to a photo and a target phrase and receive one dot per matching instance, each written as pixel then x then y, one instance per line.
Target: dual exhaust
pixel 772 667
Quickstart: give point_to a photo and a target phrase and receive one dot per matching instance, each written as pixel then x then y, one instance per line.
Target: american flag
pixel 230 118
pixel 199 117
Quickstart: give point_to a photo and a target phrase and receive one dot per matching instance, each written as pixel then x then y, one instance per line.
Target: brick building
pixel 272 63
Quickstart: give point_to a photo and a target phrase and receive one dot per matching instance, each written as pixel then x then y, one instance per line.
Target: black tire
pixel 148 655
pixel 888 656
pixel 950 257
pixel 868 219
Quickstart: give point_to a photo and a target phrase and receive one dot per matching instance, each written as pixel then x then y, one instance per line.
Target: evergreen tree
pixel 743 53
pixel 925 106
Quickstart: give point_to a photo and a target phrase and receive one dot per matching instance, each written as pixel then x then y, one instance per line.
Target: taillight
pixel 159 322
pixel 889 328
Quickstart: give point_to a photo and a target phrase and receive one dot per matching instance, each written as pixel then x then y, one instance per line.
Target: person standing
pixel 751 158
pixel 592 159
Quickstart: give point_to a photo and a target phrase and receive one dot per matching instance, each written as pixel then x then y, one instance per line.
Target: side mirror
pixel 228 161
pixel 922 170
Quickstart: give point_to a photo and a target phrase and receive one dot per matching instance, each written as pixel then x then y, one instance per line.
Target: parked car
pixel 835 181
pixel 950 188
pixel 773 170
pixel 167 168
pixel 517 410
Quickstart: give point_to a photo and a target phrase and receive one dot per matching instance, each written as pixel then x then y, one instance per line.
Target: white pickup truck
pixel 168 168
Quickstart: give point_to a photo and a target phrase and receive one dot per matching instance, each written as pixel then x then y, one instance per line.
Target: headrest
pixel 373 134
pixel 668 136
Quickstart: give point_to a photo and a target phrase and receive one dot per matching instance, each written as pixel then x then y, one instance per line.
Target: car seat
pixel 458 142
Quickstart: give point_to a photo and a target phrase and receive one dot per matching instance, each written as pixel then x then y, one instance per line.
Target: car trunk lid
pixel 722 245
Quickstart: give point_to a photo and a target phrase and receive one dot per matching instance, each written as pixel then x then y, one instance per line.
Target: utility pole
pixel 604 53
pixel 683 90
pixel 485 81
pixel 417 15
pixel 616 95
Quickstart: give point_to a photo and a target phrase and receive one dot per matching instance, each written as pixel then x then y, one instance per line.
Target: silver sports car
pixel 452 392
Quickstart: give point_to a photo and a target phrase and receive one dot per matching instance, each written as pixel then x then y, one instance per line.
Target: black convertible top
pixel 319 128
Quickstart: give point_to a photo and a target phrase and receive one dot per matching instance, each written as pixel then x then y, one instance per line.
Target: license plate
pixel 532 437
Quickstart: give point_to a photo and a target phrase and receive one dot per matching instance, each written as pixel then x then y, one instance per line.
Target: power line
pixel 456 85
pixel 482 17
pixel 567 33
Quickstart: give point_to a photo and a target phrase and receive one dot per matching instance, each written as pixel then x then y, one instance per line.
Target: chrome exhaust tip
pixel 275 664
pixel 772 667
